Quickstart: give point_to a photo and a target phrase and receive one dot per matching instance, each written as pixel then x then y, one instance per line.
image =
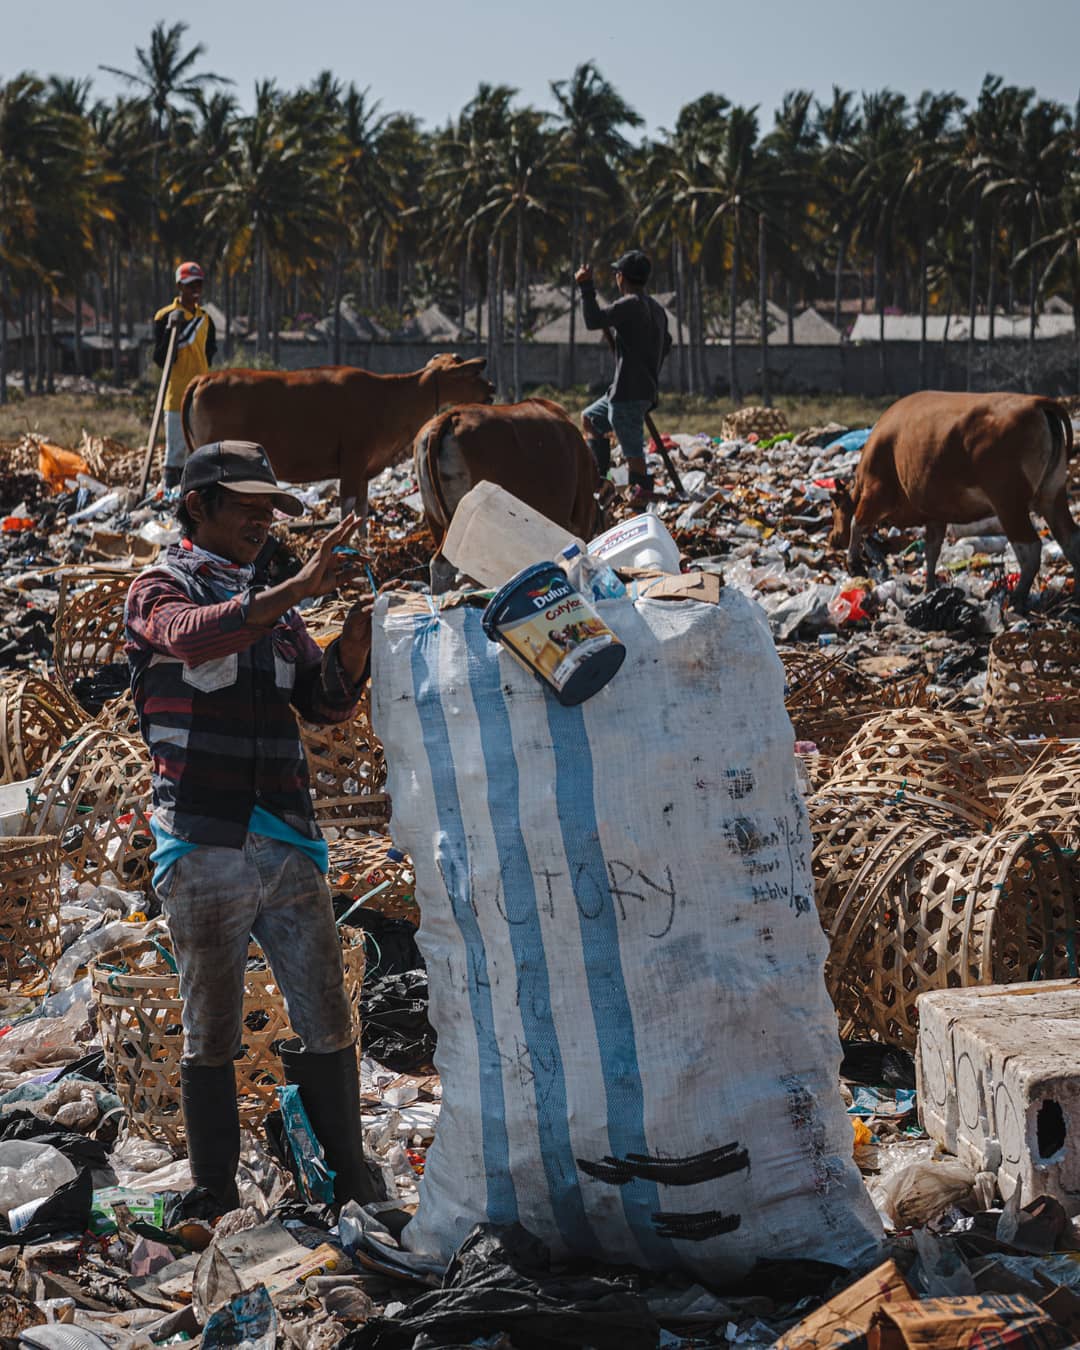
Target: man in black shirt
pixel 641 342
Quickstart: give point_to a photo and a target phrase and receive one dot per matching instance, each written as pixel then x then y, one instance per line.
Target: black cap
pixel 240 466
pixel 634 266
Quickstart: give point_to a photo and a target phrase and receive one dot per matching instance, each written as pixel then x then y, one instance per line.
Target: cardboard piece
pixel 964 1323
pixel 845 1319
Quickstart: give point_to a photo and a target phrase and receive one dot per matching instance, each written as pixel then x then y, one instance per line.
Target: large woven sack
pixel 639 1059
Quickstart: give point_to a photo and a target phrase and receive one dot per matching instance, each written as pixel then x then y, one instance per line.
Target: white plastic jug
pixel 494 535
pixel 642 541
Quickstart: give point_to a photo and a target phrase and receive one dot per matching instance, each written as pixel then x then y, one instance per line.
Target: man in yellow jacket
pixel 196 343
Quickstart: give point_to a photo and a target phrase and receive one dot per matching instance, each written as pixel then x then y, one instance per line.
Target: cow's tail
pixel 185 414
pixel 427 464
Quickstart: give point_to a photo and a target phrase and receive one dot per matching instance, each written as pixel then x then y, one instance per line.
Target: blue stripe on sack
pixel 603 966
pixel 523 928
pixel 453 864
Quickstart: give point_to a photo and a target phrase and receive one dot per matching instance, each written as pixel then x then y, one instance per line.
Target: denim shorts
pixel 625 419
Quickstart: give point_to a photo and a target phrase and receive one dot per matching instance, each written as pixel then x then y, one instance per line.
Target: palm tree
pixel 522 186
pixel 167 76
pixel 591 113
pixel 838 124
pixel 792 146
pixel 879 151
pixel 924 195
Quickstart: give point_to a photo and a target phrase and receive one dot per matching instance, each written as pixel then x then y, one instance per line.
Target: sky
pixel 428 56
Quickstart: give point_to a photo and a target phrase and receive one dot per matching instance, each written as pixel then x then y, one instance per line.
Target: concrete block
pixel 998 1075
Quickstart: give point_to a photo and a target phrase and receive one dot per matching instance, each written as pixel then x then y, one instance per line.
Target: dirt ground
pixel 126 416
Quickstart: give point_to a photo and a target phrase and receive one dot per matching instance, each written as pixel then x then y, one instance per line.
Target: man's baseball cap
pixel 634 266
pixel 189 271
pixel 240 466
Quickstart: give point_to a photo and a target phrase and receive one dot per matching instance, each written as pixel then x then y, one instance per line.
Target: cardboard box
pixel 845 1319
pixel 972 1322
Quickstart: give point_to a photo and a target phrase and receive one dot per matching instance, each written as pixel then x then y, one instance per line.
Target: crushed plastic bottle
pixel 590 577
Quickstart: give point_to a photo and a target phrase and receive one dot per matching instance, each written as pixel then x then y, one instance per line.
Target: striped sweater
pixel 215 698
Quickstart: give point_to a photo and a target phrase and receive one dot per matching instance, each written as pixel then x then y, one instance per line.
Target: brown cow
pixel 938 459
pixel 531 449
pixel 330 421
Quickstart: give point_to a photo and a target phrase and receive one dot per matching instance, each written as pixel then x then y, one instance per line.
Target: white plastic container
pixel 640 542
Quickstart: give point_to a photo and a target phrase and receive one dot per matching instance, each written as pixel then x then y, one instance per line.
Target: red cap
pixel 189 271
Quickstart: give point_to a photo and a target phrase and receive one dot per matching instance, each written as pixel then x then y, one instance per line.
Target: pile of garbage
pixel 942 807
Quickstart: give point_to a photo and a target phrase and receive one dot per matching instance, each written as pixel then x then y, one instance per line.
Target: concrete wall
pixel 792 370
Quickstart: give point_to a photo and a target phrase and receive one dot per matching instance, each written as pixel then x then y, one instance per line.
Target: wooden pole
pixel 166 370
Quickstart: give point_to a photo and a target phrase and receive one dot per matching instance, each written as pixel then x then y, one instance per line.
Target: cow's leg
pixel 1016 522
pixel 935 537
pixel 1065 531
pixel 354 497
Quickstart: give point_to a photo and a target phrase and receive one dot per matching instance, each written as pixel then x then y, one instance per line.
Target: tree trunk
pixel 129 298
pixel 924 304
pixel 226 348
pixel 114 307
pixel 519 295
pixel 492 313
pixel 703 388
pixel 5 296
pixel 991 274
pixel 24 338
pixel 677 277
pixel 263 343
pixel 39 367
pixel 77 351
pixel 575 253
pixel 733 360
pixel 277 296
pixel 763 295
pixel 879 291
pixel 973 305
pixel 1033 298
pixel 500 316
pixel 838 284
pixel 339 278
pixel 790 281
pixel 479 312
pixel 50 354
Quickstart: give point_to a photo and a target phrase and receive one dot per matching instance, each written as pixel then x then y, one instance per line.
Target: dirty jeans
pixel 176 451
pixel 625 419
pixel 214 899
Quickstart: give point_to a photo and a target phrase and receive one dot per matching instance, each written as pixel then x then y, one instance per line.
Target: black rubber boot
pixel 330 1091
pixel 601 449
pixel 171 477
pixel 212 1122
pixel 643 482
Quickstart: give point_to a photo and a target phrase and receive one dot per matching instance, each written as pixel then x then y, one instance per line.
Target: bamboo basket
pixel 95 794
pixel 89 629
pixel 765 422
pixel 855 830
pixel 137 993
pixel 36 718
pixel 347 770
pixel 360 865
pixel 945 913
pixel 1048 797
pixel 29 911
pixel 953 754
pixel 1033 682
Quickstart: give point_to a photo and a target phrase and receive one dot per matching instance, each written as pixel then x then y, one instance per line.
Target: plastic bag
pixel 918 1193
pixel 30 1171
pixel 57 465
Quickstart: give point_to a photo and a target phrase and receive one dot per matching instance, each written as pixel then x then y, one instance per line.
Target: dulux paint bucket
pixel 553 631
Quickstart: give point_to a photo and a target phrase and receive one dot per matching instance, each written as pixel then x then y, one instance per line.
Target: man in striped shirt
pixel 218 667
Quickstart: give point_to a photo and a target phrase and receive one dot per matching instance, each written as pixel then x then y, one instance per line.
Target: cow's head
pixel 843 509
pixel 459 381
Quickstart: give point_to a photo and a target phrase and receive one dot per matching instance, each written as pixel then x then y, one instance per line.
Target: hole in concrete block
pixel 1050 1129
